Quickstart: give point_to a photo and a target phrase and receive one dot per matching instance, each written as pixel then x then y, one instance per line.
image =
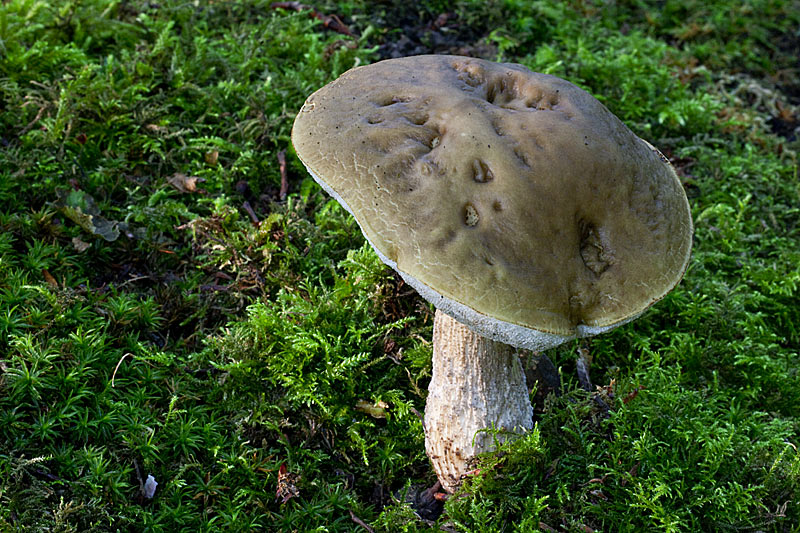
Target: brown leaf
pixel 212 157
pixel 79 245
pixel 184 183
pixel 48 277
pixel 632 472
pixel 286 485
pixel 389 345
pixel 631 395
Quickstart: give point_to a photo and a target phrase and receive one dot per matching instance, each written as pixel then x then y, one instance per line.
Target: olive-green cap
pixel 513 201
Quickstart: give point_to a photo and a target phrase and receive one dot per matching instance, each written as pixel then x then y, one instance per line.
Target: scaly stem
pixel 477 384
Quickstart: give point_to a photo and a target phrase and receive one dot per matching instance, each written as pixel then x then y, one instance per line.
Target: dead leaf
pixel 81 208
pixel 150 485
pixel 631 395
pixel 376 410
pixel 212 157
pixel 184 183
pixel 79 245
pixel 48 277
pixel 286 485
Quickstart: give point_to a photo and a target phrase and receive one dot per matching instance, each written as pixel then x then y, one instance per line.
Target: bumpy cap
pixel 513 201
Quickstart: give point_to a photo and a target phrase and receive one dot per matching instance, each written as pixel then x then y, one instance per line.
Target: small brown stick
pixel 33 122
pixel 114 375
pixel 214 287
pixel 360 522
pixel 139 477
pixel 284 179
pixel 331 22
pixel 418 415
pixel 252 214
pixel 131 280
pixel 429 492
pixel 584 364
pixel 48 475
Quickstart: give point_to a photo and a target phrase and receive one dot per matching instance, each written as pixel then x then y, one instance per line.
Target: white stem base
pixel 477 384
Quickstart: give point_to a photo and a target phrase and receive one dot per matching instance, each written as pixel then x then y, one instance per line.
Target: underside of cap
pixel 511 200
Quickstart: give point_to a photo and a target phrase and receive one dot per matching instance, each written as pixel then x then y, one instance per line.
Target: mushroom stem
pixel 477 384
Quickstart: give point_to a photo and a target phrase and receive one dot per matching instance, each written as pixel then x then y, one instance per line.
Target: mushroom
pixel 514 202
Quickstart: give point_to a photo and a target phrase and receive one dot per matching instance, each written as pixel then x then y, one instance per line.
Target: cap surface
pixel 514 201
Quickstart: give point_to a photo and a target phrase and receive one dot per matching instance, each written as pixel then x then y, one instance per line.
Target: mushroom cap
pixel 514 201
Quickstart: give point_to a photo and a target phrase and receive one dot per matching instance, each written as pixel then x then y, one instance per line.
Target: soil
pixel 405 31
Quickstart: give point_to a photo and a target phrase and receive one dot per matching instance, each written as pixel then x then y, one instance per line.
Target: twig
pixel 33 122
pixel 247 207
pixel 331 22
pixel 48 475
pixel 583 365
pixel 139 476
pixel 131 280
pixel 117 367
pixel 429 492
pixel 284 179
pixel 418 415
pixel 214 287
pixel 360 522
